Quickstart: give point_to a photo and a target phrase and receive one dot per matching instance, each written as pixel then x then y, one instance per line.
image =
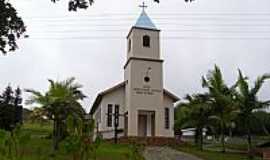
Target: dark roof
pixel 120 85
pixel 101 94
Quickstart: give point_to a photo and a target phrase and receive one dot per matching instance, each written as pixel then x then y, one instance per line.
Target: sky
pixel 90 45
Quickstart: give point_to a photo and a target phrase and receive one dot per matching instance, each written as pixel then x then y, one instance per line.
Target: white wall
pixel 168 102
pixel 137 49
pixel 115 98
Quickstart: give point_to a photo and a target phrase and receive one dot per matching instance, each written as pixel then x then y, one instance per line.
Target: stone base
pixel 149 141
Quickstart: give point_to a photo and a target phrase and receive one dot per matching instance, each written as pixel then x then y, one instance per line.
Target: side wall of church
pixel 168 103
pixel 115 98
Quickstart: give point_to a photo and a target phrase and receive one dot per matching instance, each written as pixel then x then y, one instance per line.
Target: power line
pixel 163 23
pixel 164 14
pixel 153 17
pixel 165 30
pixel 168 31
pixel 165 37
pixel 71 20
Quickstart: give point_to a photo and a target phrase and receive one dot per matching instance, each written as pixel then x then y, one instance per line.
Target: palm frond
pixel 258 83
pixel 242 84
pixel 61 99
pixel 34 92
pixel 204 82
pixel 217 78
pixel 52 83
pixel 69 81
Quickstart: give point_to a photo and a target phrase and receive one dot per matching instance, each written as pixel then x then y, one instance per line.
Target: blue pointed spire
pixel 144 21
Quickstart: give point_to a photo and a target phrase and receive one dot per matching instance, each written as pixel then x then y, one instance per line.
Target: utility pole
pixel 116 116
pixel 116 122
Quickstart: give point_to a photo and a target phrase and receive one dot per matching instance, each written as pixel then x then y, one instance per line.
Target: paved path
pixel 166 153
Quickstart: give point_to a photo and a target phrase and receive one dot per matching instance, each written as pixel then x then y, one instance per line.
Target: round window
pixel 146 79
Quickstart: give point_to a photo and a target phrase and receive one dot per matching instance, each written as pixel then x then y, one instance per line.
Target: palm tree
pixel 196 106
pixel 247 102
pixel 61 99
pixel 220 99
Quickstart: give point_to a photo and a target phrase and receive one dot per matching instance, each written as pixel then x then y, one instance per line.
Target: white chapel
pixel 146 108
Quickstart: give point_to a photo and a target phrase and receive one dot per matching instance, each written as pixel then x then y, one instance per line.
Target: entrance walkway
pixel 166 153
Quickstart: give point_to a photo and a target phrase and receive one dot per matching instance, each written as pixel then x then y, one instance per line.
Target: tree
pixel 61 99
pixel 74 5
pixel 7 96
pixel 17 96
pixel 79 141
pixel 197 106
pixel 11 27
pixel 263 119
pixel 221 98
pixel 10 108
pixel 248 102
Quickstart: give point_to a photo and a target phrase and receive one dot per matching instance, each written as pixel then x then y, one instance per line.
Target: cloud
pixel 97 63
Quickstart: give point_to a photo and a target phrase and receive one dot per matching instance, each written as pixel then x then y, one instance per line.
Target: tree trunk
pixel 201 138
pixel 265 130
pixel 223 136
pixel 196 136
pixel 230 132
pixel 58 133
pixel 55 134
pixel 249 142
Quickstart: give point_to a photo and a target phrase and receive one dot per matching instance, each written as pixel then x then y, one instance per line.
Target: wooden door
pixel 142 125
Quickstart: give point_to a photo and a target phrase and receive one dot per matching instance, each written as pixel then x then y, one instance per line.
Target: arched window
pixel 129 45
pixel 146 41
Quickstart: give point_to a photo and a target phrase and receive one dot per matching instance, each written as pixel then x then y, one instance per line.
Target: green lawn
pixel 238 143
pixel 40 147
pixel 212 155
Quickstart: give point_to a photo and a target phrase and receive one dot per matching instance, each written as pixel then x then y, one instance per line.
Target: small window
pixel 146 41
pixel 167 118
pixel 109 115
pixel 129 45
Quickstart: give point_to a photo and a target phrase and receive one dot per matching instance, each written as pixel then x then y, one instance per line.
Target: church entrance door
pixel 142 126
pixel 146 123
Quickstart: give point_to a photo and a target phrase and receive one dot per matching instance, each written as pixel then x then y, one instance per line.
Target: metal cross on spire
pixel 143 6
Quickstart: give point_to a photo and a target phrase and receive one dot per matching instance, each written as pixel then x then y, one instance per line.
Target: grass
pixel 236 144
pixel 113 151
pixel 212 155
pixel 40 147
pixel 241 147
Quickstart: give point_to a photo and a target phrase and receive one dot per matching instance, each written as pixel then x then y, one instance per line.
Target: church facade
pixel 145 108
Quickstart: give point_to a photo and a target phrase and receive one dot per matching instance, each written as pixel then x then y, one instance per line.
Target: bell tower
pixel 144 78
pixel 143 38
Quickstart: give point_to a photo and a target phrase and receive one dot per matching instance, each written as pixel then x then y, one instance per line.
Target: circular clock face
pixel 147 79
